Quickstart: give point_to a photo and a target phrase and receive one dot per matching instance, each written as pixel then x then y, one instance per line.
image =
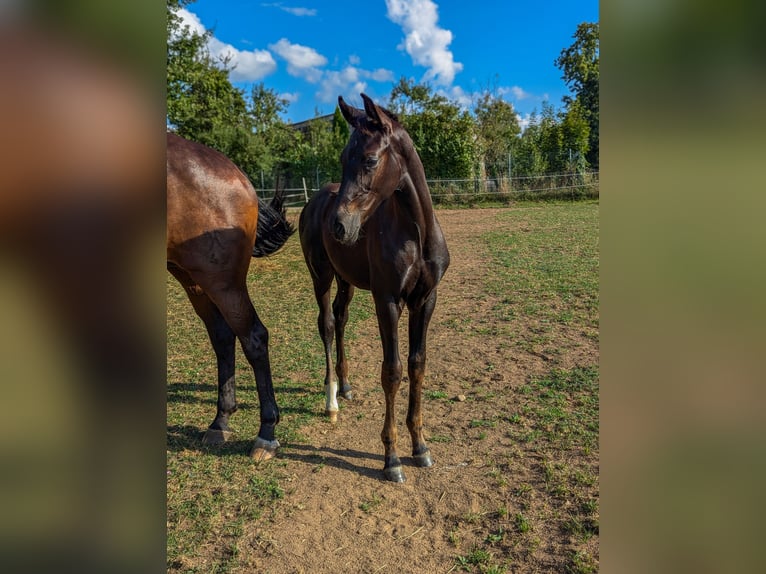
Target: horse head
pixel 372 168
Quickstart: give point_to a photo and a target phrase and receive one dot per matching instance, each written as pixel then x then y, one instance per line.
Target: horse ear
pixel 352 115
pixel 377 114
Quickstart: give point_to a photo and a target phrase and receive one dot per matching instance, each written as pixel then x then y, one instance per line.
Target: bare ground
pixel 339 515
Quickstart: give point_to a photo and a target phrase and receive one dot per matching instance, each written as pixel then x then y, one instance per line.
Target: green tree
pixel 528 159
pixel 579 64
pixel 549 140
pixel 272 141
pixel 443 134
pixel 202 104
pixel 314 156
pixel 497 131
pixel 575 133
pixel 340 136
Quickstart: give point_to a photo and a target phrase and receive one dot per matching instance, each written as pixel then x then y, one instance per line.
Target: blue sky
pixel 312 51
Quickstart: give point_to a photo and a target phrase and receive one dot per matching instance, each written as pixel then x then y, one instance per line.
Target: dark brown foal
pixel 377 230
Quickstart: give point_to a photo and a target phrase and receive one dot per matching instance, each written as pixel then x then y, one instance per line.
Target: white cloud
pixel 517 92
pixel 425 42
pixel 349 81
pixel 380 75
pixel 290 96
pixel 247 65
pixel 354 60
pixel 191 20
pixel 459 96
pixel 523 121
pixel 335 83
pixel 302 61
pixel 291 10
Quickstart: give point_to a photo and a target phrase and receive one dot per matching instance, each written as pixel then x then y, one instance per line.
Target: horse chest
pixel 399 266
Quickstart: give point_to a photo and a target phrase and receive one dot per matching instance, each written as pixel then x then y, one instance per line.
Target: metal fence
pixel 448 191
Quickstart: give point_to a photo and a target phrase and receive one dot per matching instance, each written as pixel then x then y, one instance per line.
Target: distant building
pixel 303 126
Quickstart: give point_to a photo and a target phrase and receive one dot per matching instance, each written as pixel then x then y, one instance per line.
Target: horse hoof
pixel 394 474
pixel 264 449
pixel 423 459
pixel 346 393
pixel 216 436
pixel 333 415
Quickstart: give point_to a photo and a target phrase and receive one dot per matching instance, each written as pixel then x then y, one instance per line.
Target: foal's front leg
pixel 389 312
pixel 326 325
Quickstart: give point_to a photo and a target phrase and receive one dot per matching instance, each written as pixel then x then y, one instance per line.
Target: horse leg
pixel 420 316
pixel 238 310
pixel 326 326
pixel 389 313
pixel 222 339
pixel 340 311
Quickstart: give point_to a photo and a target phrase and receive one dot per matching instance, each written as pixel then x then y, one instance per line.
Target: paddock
pixel 510 412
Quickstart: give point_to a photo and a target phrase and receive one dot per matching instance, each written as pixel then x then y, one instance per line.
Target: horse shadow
pixel 188 437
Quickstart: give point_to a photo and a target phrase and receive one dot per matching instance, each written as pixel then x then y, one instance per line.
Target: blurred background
pixel 82 286
pixel 683 250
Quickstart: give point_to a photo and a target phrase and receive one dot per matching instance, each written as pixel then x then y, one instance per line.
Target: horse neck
pixel 415 199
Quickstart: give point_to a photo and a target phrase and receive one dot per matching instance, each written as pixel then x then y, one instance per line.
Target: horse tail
pixel 273 228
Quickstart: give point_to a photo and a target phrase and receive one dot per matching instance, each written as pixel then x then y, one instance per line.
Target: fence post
pixel 305 191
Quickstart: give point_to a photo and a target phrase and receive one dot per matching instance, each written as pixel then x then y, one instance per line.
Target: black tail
pixel 273 228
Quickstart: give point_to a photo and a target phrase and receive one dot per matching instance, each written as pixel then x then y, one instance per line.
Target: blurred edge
pixel 82 286
pixel 683 278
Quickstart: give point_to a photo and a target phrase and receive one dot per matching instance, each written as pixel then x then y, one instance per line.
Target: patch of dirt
pixel 339 515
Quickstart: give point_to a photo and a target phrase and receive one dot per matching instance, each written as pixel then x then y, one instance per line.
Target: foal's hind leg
pixel 340 312
pixel 420 316
pixel 222 338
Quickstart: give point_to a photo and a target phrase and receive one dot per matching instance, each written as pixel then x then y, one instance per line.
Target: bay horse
pixel 215 224
pixel 377 230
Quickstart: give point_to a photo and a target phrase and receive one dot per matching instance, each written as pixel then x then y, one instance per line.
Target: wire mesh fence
pixel 469 191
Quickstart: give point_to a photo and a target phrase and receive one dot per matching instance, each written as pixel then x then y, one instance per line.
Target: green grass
pixel 372 504
pixel 544 291
pixel 545 271
pixel 559 411
pixel 543 284
pixel 477 557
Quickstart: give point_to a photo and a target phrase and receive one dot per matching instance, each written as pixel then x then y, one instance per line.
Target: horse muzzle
pixel 345 229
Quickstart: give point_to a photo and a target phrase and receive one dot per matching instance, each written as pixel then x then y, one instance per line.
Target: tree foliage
pixel 579 64
pixel 202 104
pixel 452 141
pixel 497 131
pixel 443 134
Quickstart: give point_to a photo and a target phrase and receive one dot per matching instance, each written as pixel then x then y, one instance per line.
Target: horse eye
pixel 371 162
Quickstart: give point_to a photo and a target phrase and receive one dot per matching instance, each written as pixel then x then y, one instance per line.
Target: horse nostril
pixel 338 229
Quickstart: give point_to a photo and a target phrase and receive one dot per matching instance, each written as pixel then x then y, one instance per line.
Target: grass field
pixel 541 280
